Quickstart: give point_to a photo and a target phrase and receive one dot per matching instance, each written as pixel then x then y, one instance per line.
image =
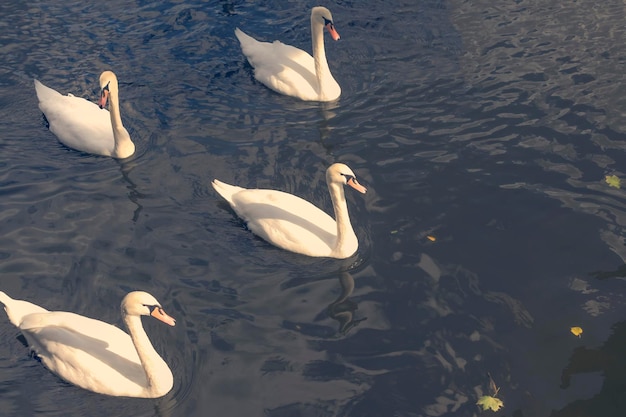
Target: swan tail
pixel 226 190
pixel 18 309
pixel 253 49
pixel 44 92
pixel 5 299
pixel 243 37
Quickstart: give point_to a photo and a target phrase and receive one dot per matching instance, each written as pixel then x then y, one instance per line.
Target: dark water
pixel 489 126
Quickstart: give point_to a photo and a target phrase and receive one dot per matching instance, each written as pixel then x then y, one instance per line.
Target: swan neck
pixel 151 362
pixel 114 109
pixel 319 54
pixel 345 233
pixel 123 147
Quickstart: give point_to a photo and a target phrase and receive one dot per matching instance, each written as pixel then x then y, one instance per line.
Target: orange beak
pixel 159 314
pixel 333 33
pixel 352 182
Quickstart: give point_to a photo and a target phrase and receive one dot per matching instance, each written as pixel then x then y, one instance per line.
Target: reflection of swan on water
pixel 343 308
pixel 134 195
pixel 325 128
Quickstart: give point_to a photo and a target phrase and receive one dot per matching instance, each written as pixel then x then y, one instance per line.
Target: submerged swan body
pixel 294 224
pixel 82 125
pixel 292 71
pixel 94 355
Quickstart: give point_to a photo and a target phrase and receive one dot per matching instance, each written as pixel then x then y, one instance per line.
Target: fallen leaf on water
pixel 431 238
pixel 487 402
pixel 576 331
pixel 613 181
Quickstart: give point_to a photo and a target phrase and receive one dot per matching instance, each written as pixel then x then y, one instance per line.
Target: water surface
pixel 487 127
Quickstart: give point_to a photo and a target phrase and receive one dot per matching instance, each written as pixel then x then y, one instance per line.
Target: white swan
pixel 83 125
pixel 292 71
pixel 94 355
pixel 294 224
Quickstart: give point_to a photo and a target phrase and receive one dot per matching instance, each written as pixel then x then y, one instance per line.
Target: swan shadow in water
pixel 343 308
pixel 126 168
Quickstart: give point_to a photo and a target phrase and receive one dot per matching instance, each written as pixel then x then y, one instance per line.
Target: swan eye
pixel 328 22
pixel 152 308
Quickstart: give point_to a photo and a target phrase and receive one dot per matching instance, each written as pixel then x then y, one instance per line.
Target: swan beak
pixel 333 33
pixel 159 314
pixel 104 96
pixel 352 182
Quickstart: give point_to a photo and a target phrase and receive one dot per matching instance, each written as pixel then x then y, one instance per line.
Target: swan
pixel 94 355
pixel 294 224
pixel 82 125
pixel 292 71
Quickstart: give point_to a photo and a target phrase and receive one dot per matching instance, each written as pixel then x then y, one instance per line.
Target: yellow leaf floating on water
pixel 487 402
pixel 613 181
pixel 431 238
pixel 576 331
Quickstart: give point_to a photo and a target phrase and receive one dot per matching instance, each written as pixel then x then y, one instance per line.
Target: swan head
pixel 321 15
pixel 342 174
pixel 140 303
pixel 108 83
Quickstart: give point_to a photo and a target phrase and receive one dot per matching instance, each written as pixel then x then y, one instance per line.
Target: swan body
pixel 82 125
pixel 292 71
pixel 94 355
pixel 294 224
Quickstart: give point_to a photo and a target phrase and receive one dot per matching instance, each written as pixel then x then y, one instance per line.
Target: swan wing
pixel 283 68
pixel 76 122
pixel 86 352
pixel 286 221
pixel 83 332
